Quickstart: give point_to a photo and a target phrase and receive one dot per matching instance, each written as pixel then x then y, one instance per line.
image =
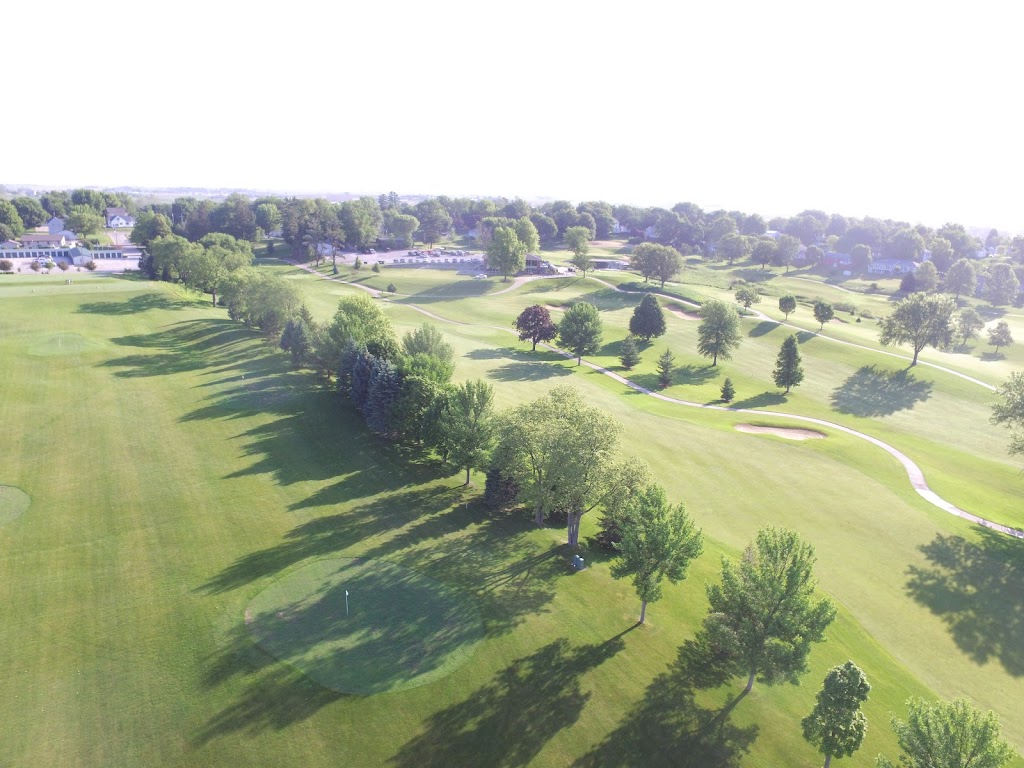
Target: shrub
pixel 35 266
pixel 90 265
pixel 391 288
pixel 6 265
pixel 376 268
pixel 844 306
pixel 63 266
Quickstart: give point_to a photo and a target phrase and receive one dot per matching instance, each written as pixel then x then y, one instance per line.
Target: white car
pixel 480 277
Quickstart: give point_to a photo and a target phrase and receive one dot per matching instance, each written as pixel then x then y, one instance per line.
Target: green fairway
pixel 175 592
pixel 405 629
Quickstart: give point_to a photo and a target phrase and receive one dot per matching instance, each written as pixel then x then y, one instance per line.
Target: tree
pixel 999 335
pixel 764 251
pixel 763 618
pixel 506 253
pixel 9 218
pixel 787 304
pixel 527 234
pixel 402 226
pixel 719 331
pixel 666 263
pixel 31 213
pixel 560 451
pixel 426 347
pixel 747 295
pixel 546 228
pixel 921 320
pixel 434 220
pixel 734 247
pixel 926 278
pixel 836 726
pixel 666 364
pixel 467 425
pixel 580 330
pixel 728 390
pixel 1010 410
pixel 1001 285
pixel 577 240
pixel 629 353
pixel 942 253
pixel 268 217
pixel 786 249
pixel 788 370
pixel 968 323
pixel 148 227
pixel 648 320
pixel 6 265
pixel 534 324
pixel 360 321
pixel 84 220
pixel 953 735
pixel 962 278
pixel 391 288
pixel 823 312
pixel 660 541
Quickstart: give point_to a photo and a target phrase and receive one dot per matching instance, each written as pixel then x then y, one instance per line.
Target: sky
pixel 900 109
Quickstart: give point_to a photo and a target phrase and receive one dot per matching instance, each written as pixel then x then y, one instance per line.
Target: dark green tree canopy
pixel 836 726
pixel 580 330
pixel 823 312
pixel 949 735
pixel 788 371
pixel 719 331
pixel 648 320
pixel 920 320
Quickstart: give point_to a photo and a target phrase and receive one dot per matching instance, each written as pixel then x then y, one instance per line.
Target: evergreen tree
pixel 788 371
pixel 728 391
pixel 666 364
pixel 629 354
pixel 385 388
pixel 648 320
pixel 500 491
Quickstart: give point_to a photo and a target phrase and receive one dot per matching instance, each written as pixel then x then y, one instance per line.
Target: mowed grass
pixel 178 470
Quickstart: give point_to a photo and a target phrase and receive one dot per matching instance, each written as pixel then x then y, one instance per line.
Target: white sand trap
pixel 789 433
pixel 684 315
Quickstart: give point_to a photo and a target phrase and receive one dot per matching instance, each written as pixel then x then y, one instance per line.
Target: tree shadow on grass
pixel 871 391
pixel 135 305
pixel 609 299
pixel 762 328
pixel 188 346
pixel 669 728
pixel 508 721
pixel 976 588
pixel 989 357
pixel 802 337
pixel 529 371
pixel 763 400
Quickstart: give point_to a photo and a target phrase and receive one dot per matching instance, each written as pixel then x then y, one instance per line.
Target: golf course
pixel 207 559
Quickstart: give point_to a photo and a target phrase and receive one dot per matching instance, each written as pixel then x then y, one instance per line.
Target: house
pixel 836 259
pixel 118 218
pixel 618 229
pixel 535 265
pixel 58 240
pixel 609 264
pixel 892 267
pixel 55 225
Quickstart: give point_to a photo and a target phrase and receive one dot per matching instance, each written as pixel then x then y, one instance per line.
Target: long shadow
pixel 135 305
pixel 976 588
pixel 872 391
pixel 529 371
pixel 188 346
pixel 508 721
pixel 762 328
pixel 669 728
pixel 760 401
pixel 752 275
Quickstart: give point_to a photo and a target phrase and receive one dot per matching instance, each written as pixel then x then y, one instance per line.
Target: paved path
pixel 914 472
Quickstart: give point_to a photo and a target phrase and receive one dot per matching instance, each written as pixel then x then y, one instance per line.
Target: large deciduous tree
pixel 787 304
pixel 734 247
pixel 534 324
pixel 920 320
pixel 32 214
pixel 467 425
pixel 659 542
pixel 968 323
pixel 580 330
pixel 719 331
pixel 10 218
pixel 434 220
pixel 747 295
pixel 1010 410
pixel 999 335
pixel 962 278
pixel 763 617
pixel 577 240
pixel 788 371
pixel 926 279
pixel 836 726
pixel 823 312
pixel 949 735
pixel 1001 285
pixel 648 319
pixel 506 253
pixel 84 220
pixel 652 260
pixel 527 233
pixel 360 321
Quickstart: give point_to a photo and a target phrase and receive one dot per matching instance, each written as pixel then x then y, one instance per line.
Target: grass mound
pixel 402 629
pixel 13 503
pixel 63 343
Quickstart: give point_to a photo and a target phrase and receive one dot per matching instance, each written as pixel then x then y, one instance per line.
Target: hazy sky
pixel 906 110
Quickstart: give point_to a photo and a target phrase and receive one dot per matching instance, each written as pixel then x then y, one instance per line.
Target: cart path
pixel 914 472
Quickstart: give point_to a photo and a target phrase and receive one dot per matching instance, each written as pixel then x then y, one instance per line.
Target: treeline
pixel 81 209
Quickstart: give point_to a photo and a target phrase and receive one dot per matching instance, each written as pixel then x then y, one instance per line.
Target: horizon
pixel 861 110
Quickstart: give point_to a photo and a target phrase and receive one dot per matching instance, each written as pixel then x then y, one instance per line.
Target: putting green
pixel 401 629
pixel 63 343
pixel 13 503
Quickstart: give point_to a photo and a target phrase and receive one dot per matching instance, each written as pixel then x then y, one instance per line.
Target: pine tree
pixel 630 354
pixel 788 371
pixel 728 391
pixel 648 320
pixel 666 363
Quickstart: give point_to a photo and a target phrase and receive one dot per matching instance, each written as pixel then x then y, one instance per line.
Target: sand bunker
pixel 789 433
pixel 684 315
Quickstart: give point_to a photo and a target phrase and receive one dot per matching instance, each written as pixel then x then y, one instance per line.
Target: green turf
pixel 365 626
pixel 181 470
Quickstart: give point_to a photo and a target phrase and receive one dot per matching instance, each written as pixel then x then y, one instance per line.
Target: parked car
pixel 480 277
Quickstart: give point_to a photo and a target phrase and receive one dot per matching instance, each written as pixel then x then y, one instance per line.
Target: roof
pixel 41 238
pixel 122 212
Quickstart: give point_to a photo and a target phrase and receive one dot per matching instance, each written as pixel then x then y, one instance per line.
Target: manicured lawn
pixel 179 474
